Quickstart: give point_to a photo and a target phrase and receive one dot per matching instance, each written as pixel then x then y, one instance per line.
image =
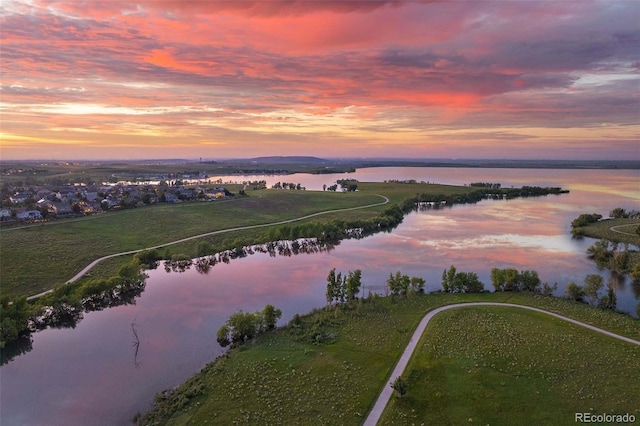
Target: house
pixel 5 214
pixel 19 198
pixel 29 215
pixel 63 209
pixel 91 196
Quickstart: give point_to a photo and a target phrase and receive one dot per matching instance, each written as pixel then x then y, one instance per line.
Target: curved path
pixel 206 234
pixel 387 391
pixel 614 229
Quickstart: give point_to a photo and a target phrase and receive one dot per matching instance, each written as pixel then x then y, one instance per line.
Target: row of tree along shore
pixel 343 290
pixel 67 302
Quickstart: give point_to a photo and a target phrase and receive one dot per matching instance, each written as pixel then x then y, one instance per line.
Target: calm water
pixel 92 374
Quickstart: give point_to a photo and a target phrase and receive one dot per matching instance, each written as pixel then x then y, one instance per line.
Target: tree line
pixel 593 283
pixel 460 282
pixel 288 185
pixel 483 192
pixel 343 289
pixel 65 305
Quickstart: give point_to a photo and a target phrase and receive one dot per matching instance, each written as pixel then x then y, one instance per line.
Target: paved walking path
pixel 206 234
pixel 387 391
pixel 615 229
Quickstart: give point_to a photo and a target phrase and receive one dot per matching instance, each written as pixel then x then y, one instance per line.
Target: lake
pixel 92 374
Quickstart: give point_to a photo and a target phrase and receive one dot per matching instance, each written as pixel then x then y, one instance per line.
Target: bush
pixel 575 292
pixel 585 219
pixel 148 258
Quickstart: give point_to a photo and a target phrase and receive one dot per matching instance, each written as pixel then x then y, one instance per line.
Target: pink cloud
pixel 426 65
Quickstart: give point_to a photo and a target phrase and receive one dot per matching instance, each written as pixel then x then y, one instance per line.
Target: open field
pixel 626 230
pixel 505 366
pixel 59 173
pixel 53 253
pixel 284 378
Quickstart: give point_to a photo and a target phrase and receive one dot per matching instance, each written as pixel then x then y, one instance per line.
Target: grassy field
pixel 37 257
pixel 504 366
pixel 602 230
pixel 284 378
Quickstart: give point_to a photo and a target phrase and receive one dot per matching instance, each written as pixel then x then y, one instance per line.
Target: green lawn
pixel 284 378
pixel 602 230
pixel 54 253
pixel 505 366
pixel 38 257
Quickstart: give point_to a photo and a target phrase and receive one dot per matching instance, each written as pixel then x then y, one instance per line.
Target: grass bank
pixel 603 230
pixel 283 377
pixel 52 253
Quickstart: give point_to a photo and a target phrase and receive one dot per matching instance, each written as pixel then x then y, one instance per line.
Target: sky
pixel 222 79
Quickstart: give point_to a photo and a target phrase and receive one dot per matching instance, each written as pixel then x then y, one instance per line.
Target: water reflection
pixel 66 376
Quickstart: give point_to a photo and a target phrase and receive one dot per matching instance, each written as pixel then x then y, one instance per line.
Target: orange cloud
pixel 427 77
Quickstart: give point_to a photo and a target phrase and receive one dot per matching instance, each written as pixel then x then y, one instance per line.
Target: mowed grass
pixel 602 230
pixel 283 378
pixel 506 366
pixel 36 258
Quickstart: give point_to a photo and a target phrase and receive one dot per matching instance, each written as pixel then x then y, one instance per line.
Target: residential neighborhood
pixel 45 202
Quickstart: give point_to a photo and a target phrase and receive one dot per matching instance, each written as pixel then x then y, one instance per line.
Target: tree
pixel 620 260
pixel 601 253
pixel 223 335
pixel 467 282
pixel 399 386
pixel 618 213
pixel 609 300
pixel 447 278
pixel 585 219
pixel 352 284
pixel 530 281
pixel 331 284
pixel 243 326
pixel 547 290
pixel 497 279
pixel 575 291
pixel 270 316
pixel 417 284
pixel 638 309
pixel 148 258
pixel 511 279
pixel 131 270
pixel 398 283
pixel 13 319
pixel 593 283
pixel 339 294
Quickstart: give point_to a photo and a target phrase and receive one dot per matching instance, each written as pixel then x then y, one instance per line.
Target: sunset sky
pixel 217 79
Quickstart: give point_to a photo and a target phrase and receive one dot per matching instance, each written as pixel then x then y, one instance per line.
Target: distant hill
pixel 289 160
